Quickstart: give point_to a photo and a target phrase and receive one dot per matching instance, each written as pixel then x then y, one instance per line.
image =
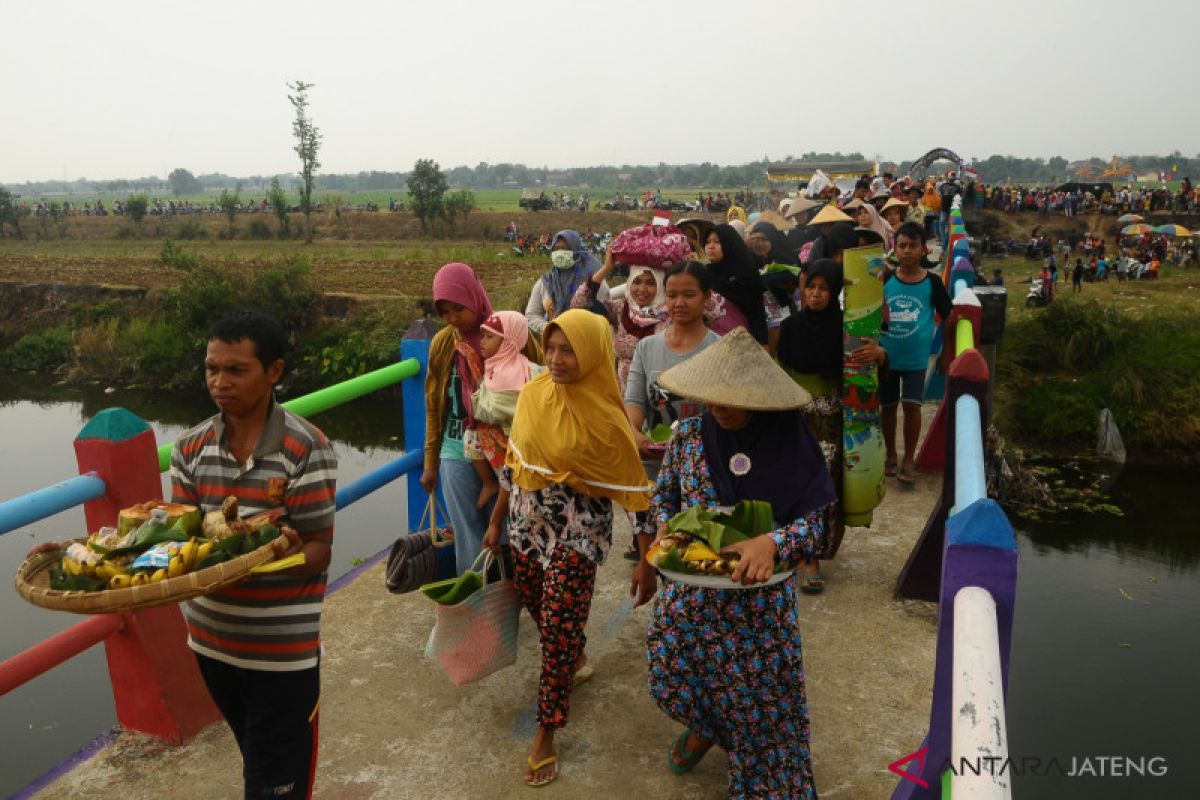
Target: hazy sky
pixel 117 89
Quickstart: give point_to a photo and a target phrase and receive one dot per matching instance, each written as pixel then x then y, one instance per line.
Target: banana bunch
pixel 159 549
pixel 695 555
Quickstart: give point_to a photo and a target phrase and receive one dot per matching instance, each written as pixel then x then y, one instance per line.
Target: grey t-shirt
pixel 650 359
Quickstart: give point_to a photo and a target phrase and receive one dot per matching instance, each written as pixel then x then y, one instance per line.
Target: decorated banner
pixel 863 483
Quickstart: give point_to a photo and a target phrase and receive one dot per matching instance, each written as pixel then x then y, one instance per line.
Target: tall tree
pixel 308 143
pixel 278 202
pixel 183 182
pixel 427 186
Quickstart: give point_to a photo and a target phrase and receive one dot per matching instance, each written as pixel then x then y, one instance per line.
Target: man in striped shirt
pixel 258 641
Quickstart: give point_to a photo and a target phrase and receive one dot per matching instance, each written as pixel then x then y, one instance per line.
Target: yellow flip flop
pixel 534 766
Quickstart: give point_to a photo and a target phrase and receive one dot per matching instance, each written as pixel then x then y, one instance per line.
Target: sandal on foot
pixel 631 553
pixel 891 469
pixel 534 766
pixel 907 478
pixel 583 675
pixel 690 760
pixel 812 584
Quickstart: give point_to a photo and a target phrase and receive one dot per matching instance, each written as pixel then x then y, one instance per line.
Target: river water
pixel 1106 642
pixel 1104 648
pixel 59 712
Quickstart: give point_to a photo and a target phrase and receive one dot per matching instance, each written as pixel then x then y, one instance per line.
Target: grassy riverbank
pixel 1132 347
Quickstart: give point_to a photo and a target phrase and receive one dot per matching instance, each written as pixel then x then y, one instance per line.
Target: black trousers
pixel 273 716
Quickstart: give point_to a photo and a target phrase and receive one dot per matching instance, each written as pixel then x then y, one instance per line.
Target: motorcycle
pixel 1036 297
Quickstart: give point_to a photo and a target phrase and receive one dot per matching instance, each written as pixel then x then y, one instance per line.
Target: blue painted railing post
pixel 920 579
pixel 155 680
pixel 413 397
pixel 414 442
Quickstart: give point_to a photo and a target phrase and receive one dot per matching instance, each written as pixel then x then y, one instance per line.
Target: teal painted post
pixel 155 680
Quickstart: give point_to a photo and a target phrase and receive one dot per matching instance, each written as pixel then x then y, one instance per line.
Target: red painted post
pixel 155 680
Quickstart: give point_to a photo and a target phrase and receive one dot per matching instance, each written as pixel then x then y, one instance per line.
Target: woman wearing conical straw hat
pixel 570 455
pixel 726 663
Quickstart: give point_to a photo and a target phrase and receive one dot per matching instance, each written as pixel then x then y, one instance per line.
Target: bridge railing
pixel 966 560
pixel 155 681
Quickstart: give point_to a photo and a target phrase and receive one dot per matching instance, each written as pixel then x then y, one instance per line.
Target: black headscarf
pixel 801 235
pixel 841 236
pixel 810 342
pixel 736 278
pixel 780 252
pixel 787 466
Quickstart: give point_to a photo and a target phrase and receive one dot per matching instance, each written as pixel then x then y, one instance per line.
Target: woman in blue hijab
pixel 571 266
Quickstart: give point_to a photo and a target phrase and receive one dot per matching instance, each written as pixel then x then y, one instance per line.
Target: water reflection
pixel 1158 525
pixel 1106 614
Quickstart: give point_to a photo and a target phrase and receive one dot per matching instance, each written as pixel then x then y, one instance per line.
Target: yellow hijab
pixel 576 433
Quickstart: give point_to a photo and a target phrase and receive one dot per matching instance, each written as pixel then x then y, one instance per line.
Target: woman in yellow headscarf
pixel 570 454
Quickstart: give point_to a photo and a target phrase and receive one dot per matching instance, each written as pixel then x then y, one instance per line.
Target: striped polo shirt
pixel 267 622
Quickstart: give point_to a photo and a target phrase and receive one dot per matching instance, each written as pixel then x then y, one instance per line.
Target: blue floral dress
pixel 727 663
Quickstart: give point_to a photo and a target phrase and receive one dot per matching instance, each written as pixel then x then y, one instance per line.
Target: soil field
pixel 385 255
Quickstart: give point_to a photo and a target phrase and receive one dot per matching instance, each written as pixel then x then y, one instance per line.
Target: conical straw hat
pixel 829 213
pixel 737 372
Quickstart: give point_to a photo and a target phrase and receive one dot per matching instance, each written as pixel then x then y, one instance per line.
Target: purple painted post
pixel 981 551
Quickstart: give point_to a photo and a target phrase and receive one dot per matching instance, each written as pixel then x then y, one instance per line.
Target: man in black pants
pixel 258 641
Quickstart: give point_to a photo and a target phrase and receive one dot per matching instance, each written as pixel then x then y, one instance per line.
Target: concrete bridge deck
pixel 393 727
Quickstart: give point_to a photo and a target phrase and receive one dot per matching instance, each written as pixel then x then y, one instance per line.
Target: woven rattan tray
pixel 33 583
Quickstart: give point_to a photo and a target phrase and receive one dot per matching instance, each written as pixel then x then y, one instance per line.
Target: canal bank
pixel 393 727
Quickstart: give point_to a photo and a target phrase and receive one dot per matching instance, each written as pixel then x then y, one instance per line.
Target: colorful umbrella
pixel 1136 230
pixel 1126 219
pixel 1173 230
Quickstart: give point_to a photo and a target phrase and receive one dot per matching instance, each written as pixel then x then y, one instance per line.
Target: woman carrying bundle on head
pixel 726 662
pixel 570 455
pixel 636 309
pixel 571 266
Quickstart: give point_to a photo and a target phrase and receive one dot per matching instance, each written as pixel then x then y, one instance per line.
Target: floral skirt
pixel 727 664
pixel 824 418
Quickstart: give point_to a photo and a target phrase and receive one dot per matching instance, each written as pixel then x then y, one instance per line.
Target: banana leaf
pixel 61 580
pixel 660 433
pixel 214 557
pixel 261 536
pixel 751 517
pixel 673 561
pixel 232 545
pixel 707 526
pixel 146 537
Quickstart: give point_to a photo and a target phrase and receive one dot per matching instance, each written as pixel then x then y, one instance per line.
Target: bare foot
pixel 486 494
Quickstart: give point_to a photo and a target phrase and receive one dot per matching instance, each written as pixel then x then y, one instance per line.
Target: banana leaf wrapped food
pixel 695 538
pixel 172 540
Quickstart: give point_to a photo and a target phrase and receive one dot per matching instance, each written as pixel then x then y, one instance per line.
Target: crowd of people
pixel 538 422
pixel 1045 200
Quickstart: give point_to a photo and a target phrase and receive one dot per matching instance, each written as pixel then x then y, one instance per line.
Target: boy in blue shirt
pixel 912 295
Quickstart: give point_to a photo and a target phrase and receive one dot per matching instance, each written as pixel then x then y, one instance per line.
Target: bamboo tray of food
pixel 106 584
pixel 33 584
